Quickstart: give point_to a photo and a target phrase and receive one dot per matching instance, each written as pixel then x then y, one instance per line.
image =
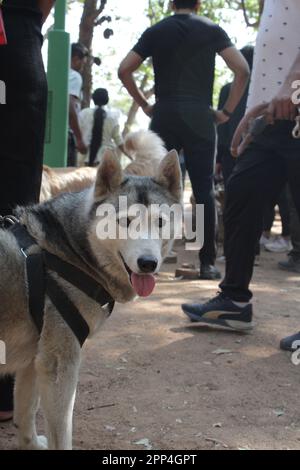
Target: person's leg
pixel 199 157
pixel 284 211
pixel 72 153
pixel 164 123
pixel 258 177
pixel 228 164
pixel 249 190
pixel 292 263
pixel 295 229
pixel 290 343
pixel 268 219
pixel 282 243
pixel 22 136
pixel 198 133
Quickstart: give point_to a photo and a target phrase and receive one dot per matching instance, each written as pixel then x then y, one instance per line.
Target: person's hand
pixel 148 110
pixel 220 117
pixel 81 147
pixel 281 108
pixel 242 137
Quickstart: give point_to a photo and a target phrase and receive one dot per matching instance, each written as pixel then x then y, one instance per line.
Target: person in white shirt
pixel 100 128
pixel 263 168
pixel 79 53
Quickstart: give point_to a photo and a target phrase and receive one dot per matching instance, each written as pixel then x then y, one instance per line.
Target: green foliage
pixel 216 10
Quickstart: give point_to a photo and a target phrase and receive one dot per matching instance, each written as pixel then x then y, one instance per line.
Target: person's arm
pixel 282 107
pixel 118 140
pixel 45 7
pixel 126 70
pixel 74 125
pixel 239 66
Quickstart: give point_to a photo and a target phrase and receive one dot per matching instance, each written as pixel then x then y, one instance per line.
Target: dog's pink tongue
pixel 143 284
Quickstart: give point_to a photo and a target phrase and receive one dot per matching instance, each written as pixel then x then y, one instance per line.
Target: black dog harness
pixel 40 282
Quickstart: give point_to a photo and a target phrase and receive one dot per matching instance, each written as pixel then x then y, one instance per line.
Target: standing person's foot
pixel 209 272
pixel 280 245
pixel 264 240
pixel 289 343
pixel 221 311
pixel 291 264
pixel 6 416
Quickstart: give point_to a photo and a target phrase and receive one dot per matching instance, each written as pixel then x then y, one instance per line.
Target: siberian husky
pixel 46 364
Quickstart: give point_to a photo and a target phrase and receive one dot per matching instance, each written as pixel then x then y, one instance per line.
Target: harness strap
pixel 35 272
pixel 78 278
pixel 39 282
pixel 67 310
pixel 35 275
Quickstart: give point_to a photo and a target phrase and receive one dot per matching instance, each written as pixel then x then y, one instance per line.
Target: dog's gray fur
pixel 47 368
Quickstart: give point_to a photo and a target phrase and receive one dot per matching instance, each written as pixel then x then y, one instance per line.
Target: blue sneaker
pixel 221 311
pixel 290 343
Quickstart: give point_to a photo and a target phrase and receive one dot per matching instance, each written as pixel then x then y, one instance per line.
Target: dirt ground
pixel 150 379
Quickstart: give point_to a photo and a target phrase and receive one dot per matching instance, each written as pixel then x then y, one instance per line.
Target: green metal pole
pixel 58 95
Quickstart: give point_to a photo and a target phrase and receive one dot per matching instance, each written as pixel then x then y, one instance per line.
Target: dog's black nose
pixel 147 264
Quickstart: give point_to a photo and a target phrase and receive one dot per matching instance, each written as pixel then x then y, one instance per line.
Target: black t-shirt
pixel 183 49
pixel 24 6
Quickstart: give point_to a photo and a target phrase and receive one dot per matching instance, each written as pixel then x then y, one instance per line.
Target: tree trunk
pixel 91 11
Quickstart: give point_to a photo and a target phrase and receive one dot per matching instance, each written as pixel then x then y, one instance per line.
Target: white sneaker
pixel 264 240
pixel 280 245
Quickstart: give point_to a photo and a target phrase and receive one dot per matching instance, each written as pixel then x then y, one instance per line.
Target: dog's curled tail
pixel 145 147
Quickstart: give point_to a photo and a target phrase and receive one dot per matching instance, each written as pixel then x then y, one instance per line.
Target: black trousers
pixel 284 210
pixel 185 125
pixel 22 125
pixel 258 178
pixel 228 163
pixel 72 152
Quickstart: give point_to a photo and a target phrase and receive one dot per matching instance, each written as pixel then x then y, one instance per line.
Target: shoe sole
pixel 232 325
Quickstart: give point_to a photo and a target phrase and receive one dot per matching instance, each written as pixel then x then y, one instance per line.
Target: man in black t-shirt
pixel 183 48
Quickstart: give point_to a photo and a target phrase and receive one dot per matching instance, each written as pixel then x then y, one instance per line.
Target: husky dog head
pixel 73 225
pixel 140 208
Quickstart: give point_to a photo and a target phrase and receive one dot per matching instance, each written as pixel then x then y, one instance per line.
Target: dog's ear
pixel 169 174
pixel 109 175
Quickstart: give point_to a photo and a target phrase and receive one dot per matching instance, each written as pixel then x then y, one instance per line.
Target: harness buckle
pixel 24 253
